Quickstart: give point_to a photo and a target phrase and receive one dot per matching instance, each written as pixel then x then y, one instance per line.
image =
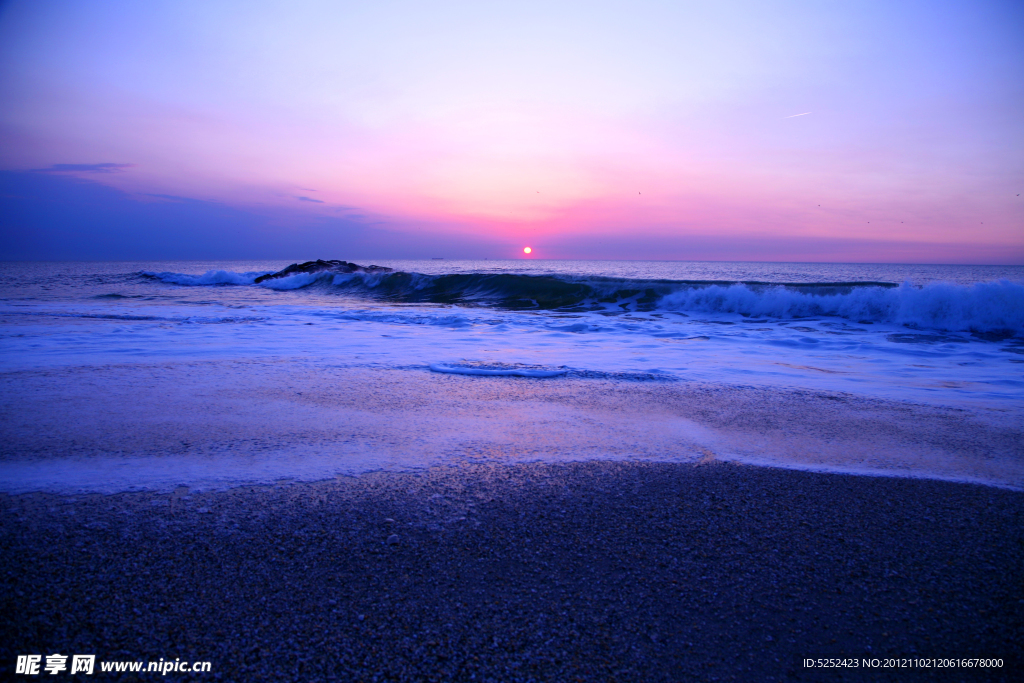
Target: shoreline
pixel 599 570
pixel 216 424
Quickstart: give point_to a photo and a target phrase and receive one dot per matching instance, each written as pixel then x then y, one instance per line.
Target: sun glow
pixel 527 250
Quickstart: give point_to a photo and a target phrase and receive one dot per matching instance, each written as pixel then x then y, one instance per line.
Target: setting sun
pixel 527 250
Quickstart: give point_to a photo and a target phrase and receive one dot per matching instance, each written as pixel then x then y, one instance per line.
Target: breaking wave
pixel 210 277
pixel 983 306
pixel 997 305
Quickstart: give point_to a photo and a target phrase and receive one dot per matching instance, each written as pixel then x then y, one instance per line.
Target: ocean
pixel 121 375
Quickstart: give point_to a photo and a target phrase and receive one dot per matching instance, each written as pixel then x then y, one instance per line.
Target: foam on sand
pixel 494 371
pixel 215 424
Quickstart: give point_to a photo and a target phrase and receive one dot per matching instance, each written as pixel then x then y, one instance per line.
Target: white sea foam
pixel 214 424
pixel 210 277
pixel 937 305
pixel 494 371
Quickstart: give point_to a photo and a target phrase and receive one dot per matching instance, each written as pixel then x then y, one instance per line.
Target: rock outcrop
pixel 320 266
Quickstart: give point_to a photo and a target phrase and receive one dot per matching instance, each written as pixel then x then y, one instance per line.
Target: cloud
pixel 61 216
pixel 170 197
pixel 84 168
pixel 310 199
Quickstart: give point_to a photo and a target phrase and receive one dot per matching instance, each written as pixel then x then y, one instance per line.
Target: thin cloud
pixel 84 168
pixel 172 197
pixel 310 199
pixel 795 115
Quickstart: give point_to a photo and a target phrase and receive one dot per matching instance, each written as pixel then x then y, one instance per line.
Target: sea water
pixel 943 342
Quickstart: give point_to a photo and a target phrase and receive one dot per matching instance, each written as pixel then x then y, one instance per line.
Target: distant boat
pixel 437 258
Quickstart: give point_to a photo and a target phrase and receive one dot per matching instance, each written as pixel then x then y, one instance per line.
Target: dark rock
pixel 320 266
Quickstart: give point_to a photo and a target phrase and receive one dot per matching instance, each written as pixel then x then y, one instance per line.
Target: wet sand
pixel 212 424
pixel 592 571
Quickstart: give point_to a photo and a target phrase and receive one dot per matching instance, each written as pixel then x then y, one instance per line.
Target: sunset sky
pixel 813 131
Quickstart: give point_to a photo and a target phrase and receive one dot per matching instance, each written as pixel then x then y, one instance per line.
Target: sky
pixel 761 131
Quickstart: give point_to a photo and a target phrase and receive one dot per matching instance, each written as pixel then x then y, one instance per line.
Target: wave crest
pixel 210 277
pixel 987 306
pixel 995 305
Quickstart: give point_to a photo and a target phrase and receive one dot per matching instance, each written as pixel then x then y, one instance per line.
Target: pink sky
pixel 647 127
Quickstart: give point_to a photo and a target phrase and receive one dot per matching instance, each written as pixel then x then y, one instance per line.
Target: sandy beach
pixel 213 424
pixel 547 572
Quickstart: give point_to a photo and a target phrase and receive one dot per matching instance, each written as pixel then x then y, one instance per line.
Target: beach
pixel 410 476
pixel 579 571
pixel 213 424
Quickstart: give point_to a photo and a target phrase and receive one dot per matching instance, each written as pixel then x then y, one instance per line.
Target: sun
pixel 527 250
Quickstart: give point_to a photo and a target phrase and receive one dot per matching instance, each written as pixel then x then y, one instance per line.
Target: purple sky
pixel 814 131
